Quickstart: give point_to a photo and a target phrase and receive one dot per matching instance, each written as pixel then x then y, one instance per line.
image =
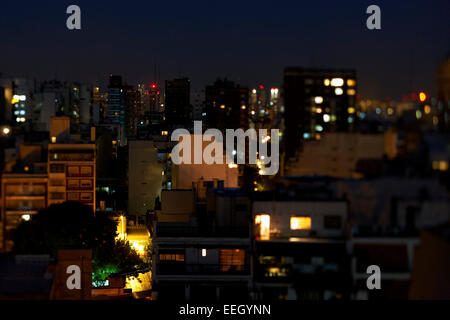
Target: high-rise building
pixel 116 100
pixel 99 105
pixel 155 97
pixel 134 111
pixel 177 105
pixel 226 105
pixel 16 105
pixel 116 113
pixel 316 101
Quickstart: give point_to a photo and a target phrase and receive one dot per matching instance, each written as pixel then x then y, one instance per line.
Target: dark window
pixel 57 168
pixel 332 222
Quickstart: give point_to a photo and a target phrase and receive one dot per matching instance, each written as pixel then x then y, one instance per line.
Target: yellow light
pixel 351 92
pixel 243 107
pixel 164 133
pixel 337 82
pixel 300 223
pixel 351 82
pixel 232 165
pixel 53 139
pixel 122 225
pixel 326 82
pixel 261 172
pixel 318 110
pixel 222 106
pixel 263 220
pixel 318 100
pixel 6 130
pixel 26 217
pixel 351 110
pixel 443 165
pixel 422 96
pixel 427 109
pixel 26 169
pixel 14 101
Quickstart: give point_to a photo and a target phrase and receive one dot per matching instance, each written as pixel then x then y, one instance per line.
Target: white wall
pixel 281 211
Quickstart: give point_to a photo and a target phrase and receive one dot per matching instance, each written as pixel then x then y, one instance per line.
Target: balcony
pixel 202 269
pixel 207 232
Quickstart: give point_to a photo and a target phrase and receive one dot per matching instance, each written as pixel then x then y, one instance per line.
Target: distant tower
pixel 177 105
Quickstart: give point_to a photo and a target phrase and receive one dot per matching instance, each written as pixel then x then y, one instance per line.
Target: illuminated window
pixel 422 96
pixel 326 82
pixel 351 82
pixel 231 260
pixel 263 220
pixel 351 92
pixel 53 139
pixel 86 171
pixel 338 91
pixel 351 110
pixel 440 165
pixel 86 183
pixel 164 133
pixel 203 252
pixel 171 257
pixel 73 171
pixel 72 183
pixel 86 196
pixel 300 223
pixel 337 82
pixel 318 100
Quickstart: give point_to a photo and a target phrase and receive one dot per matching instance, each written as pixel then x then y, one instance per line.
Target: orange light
pixel 422 96
pixel 300 223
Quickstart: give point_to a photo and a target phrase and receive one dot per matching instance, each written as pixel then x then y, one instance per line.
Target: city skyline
pixel 261 40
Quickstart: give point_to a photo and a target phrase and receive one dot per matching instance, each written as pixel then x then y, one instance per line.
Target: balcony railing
pixel 212 232
pixel 201 269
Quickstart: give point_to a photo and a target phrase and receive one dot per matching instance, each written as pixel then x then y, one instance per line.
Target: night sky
pixel 247 41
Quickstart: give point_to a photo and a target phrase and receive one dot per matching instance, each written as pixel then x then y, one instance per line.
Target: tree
pixel 72 225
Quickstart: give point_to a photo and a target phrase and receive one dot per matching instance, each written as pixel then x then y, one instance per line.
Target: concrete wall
pixel 144 177
pixel 281 211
